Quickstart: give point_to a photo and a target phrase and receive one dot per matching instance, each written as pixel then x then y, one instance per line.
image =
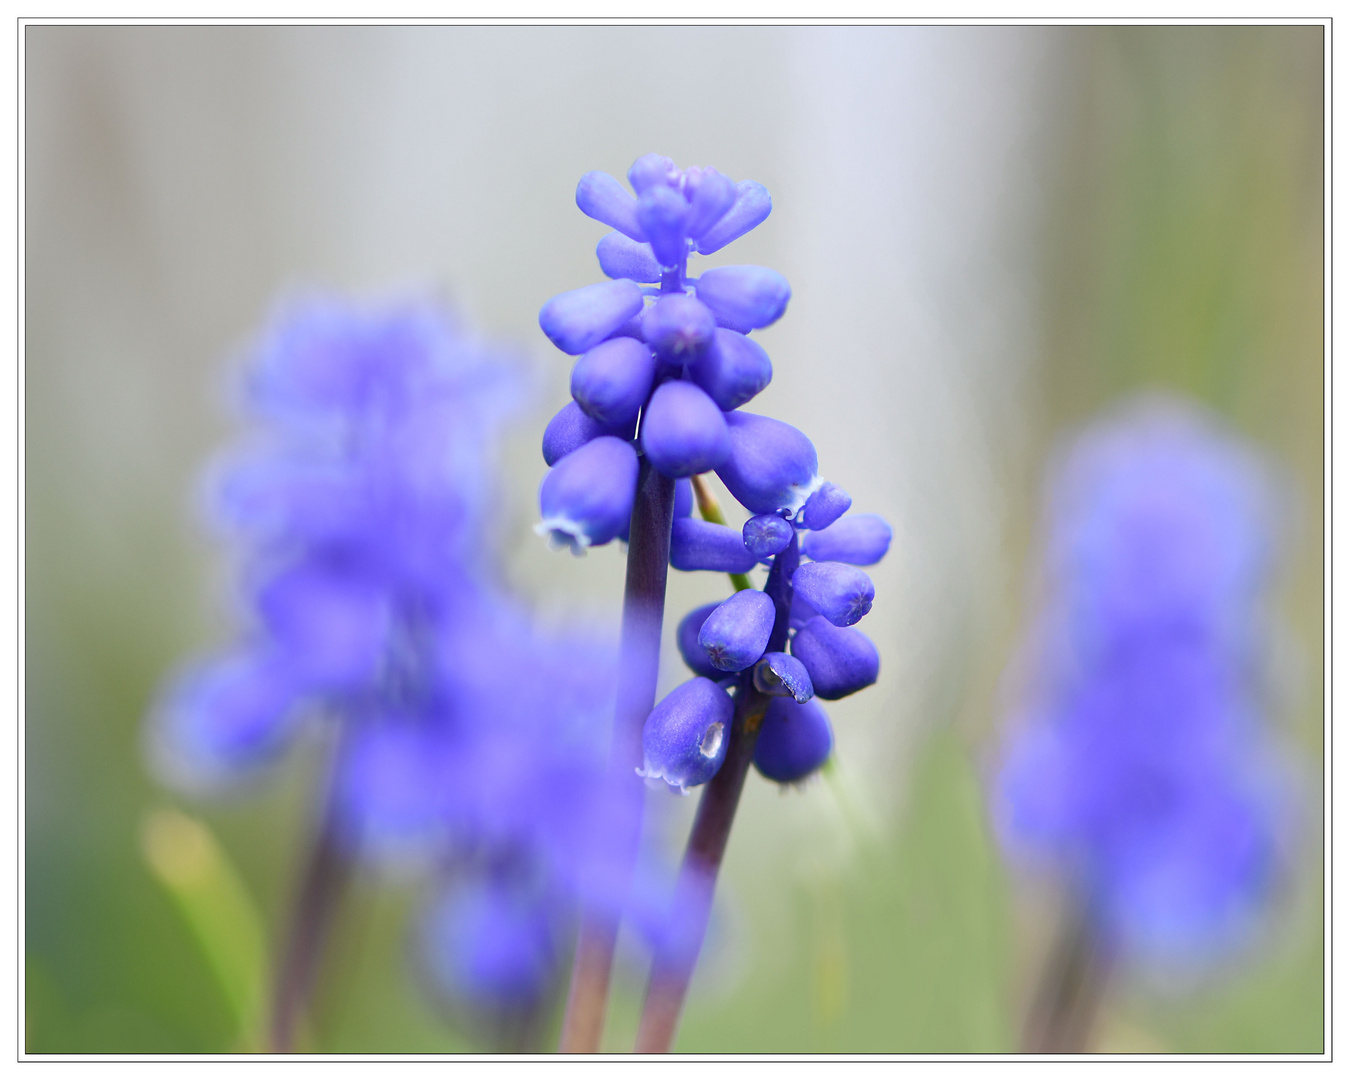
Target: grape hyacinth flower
pixel 672 352
pixel 1141 770
pixel 360 511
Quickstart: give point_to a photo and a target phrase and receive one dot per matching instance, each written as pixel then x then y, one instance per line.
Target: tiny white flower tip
pixel 563 532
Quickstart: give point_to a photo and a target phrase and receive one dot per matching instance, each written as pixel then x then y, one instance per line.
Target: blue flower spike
pixel 684 740
pixel 780 675
pixel 840 660
pixel 736 633
pixel 794 741
pixel 841 593
pixel 587 498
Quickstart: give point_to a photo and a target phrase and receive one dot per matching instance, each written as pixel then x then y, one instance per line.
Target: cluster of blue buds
pixel 1142 770
pixel 665 363
pixel 361 511
pixel 825 658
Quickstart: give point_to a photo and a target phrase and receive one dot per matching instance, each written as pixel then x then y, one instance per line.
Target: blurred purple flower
pixel 1142 769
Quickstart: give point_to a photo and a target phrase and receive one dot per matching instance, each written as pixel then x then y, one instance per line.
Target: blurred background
pixel 991 235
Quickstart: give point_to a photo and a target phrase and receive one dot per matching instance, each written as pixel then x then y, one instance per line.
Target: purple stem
pixel 321 885
pixel 644 602
pixel 673 964
pixel 1064 1012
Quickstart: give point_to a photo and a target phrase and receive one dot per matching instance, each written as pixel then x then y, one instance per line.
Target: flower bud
pixel 678 327
pixel 841 661
pixel 737 632
pixel 710 195
pixel 612 380
pixel 664 216
pixel 683 432
pixel 704 545
pixel 794 741
pixel 801 612
pixel 744 298
pixel 843 594
pixel 765 535
pixel 653 170
pixel 224 719
pixel 732 369
pixel 752 206
pixel 576 320
pixel 621 257
pixel 684 740
pixel 570 428
pixel 686 638
pixel 825 506
pixel 780 675
pixel 771 465
pixel 603 198
pixel 588 497
pixel 684 498
pixel 491 948
pixel 860 539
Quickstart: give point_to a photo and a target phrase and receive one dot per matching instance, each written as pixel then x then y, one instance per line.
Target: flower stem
pixel 673 964
pixel 644 602
pixel 1071 990
pixel 326 872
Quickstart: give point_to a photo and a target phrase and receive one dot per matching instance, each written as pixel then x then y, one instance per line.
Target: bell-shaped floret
pixel 603 198
pixel 860 539
pixel 611 381
pixel 684 498
pixel 771 466
pixel 737 632
pixel 684 740
pixel 744 298
pixel 683 432
pixel 752 206
pixel 765 535
pixel 222 720
pixel 780 675
pixel 843 594
pixel 686 638
pixel 333 628
pixel 664 216
pixel 826 506
pixel 653 170
pixel 576 320
pixel 679 328
pixel 492 948
pixel 841 660
pixel 794 741
pixel 703 545
pixel 570 428
pixel 710 195
pixel 733 369
pixel 621 257
pixel 588 497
